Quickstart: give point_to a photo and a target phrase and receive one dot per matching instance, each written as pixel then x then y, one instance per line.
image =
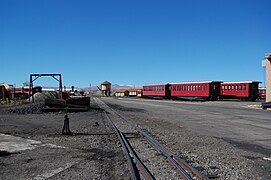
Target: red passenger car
pixel 245 90
pixel 262 92
pixel 209 90
pixel 156 90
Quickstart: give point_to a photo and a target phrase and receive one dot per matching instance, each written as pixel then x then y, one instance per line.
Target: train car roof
pixel 242 82
pixel 196 82
pixel 155 84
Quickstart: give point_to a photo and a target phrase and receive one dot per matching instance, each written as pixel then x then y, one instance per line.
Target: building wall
pixel 268 78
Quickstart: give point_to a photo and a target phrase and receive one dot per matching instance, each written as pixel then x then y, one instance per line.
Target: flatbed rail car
pixel 208 90
pixel 244 90
pixel 156 91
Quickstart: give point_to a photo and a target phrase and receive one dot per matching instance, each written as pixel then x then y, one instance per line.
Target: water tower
pixel 106 87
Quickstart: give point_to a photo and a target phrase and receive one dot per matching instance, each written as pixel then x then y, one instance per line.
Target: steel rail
pixel 126 152
pixel 158 147
pixel 178 164
pixel 136 165
pixel 131 155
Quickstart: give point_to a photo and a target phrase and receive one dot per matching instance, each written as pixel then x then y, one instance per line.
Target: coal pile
pixel 32 108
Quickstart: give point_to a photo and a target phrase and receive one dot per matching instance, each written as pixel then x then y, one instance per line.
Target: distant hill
pixel 114 87
pixel 94 89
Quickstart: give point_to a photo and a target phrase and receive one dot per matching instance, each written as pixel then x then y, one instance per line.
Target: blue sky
pixel 133 42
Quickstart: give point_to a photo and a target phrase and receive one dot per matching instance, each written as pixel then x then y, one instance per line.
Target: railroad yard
pixel 216 139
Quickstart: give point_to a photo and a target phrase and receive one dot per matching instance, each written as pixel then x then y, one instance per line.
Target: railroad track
pixel 138 169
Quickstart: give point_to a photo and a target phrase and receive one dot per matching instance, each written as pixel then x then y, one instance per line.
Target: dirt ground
pixel 93 151
pixel 33 147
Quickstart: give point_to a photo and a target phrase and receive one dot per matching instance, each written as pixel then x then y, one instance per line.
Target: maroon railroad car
pixel 156 90
pixel 209 90
pixel 262 92
pixel 22 92
pixel 244 90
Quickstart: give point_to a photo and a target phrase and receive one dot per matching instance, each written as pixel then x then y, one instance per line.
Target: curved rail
pixel 131 155
pixel 183 168
pixel 136 165
pixel 178 163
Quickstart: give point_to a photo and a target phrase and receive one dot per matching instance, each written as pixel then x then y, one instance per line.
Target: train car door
pixel 214 90
pixel 254 91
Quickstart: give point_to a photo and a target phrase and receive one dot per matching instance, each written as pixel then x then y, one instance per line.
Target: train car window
pixel 240 87
pixel 232 87
pixel 236 87
pixel 245 86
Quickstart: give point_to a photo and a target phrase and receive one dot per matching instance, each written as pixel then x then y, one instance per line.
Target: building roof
pixel 134 89
pixel 106 83
pixel 128 90
pixel 122 90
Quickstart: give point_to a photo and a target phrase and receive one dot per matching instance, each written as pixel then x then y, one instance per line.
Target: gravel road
pixel 225 140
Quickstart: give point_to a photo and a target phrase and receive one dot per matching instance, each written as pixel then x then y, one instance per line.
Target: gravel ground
pixel 155 162
pixel 216 157
pixel 94 151
pixel 91 152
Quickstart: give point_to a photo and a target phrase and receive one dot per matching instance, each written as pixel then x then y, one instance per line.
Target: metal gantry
pixel 34 77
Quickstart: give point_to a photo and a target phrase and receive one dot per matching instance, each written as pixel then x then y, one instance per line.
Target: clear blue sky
pixel 133 42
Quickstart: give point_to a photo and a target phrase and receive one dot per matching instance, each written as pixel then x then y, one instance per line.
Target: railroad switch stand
pixel 66 128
